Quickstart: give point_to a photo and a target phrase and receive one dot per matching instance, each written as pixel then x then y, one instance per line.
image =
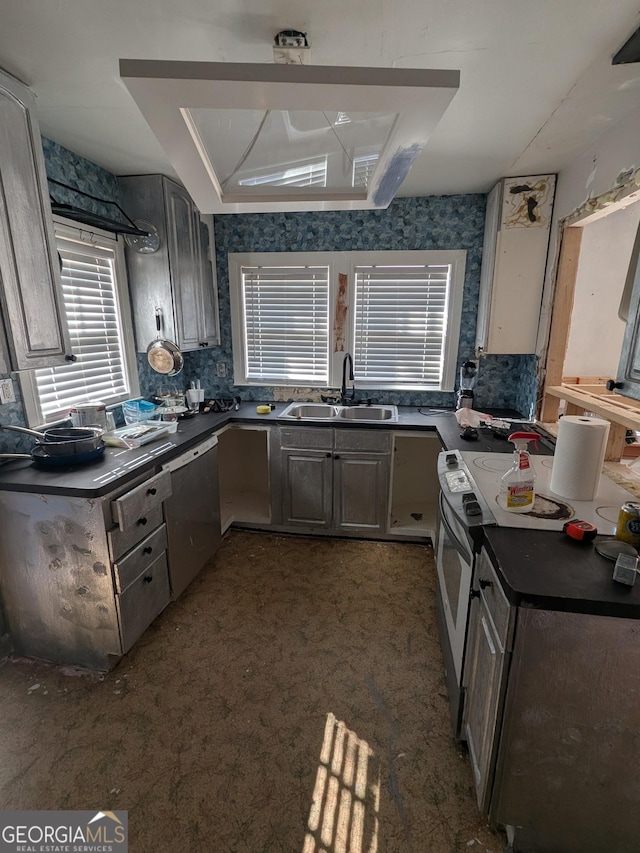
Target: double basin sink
pixel 327 412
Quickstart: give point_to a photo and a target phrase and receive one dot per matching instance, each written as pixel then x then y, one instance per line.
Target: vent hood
pixel 251 138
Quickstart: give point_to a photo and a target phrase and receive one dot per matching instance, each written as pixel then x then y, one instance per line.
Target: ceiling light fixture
pixel 236 133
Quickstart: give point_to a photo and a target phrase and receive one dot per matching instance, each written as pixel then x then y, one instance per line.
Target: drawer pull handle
pixel 484 583
pixel 474 593
pixel 148 549
pixel 147 578
pixel 151 491
pixel 142 521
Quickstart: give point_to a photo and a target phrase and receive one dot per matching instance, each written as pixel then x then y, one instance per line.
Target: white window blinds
pixel 91 306
pixel 400 324
pixel 286 321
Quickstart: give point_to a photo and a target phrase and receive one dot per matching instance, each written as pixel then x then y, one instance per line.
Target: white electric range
pixel 550 511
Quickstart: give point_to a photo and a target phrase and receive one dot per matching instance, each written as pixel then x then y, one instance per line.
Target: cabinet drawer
pixel 306 439
pixel 121 541
pixel 371 440
pixel 142 601
pixel 133 506
pixel 493 596
pixel 130 566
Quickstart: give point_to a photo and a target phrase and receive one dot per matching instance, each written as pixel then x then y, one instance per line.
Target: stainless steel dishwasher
pixel 192 513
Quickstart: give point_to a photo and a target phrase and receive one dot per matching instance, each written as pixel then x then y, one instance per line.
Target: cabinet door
pixel 483 677
pixel 209 334
pixel 307 481
pixel 31 291
pixel 361 487
pixel 183 235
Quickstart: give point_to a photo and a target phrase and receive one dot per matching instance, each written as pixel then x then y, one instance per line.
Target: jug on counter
pixel 468 374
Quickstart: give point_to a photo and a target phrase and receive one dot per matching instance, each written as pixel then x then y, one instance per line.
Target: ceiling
pixel 536 80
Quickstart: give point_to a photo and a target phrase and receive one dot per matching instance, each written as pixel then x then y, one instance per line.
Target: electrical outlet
pixel 7 393
pixel 222 368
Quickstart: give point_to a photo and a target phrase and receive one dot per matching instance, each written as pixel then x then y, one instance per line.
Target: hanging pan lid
pixel 164 356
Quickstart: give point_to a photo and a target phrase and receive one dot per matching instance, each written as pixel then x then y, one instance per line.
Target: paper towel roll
pixel 578 457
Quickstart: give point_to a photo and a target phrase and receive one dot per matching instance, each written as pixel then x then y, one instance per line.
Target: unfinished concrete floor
pixel 293 700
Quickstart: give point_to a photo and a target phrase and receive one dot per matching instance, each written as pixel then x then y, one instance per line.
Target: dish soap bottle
pixel 517 492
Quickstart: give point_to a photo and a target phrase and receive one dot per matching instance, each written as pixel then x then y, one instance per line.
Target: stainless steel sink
pixel 324 412
pixel 369 413
pixel 310 411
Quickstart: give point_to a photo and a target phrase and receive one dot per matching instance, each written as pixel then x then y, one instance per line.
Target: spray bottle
pixel 517 492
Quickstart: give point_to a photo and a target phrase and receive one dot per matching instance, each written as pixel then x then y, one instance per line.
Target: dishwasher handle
pixel 191 455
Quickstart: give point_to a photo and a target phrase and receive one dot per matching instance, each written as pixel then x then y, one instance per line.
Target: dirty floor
pixel 293 700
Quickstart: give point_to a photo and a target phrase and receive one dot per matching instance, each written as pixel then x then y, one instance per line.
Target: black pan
pixel 64 441
pixel 41 459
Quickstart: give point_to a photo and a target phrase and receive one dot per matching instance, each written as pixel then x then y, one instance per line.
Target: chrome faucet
pixel 344 400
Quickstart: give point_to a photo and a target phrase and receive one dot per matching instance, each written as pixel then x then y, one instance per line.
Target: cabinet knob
pixel 147 550
pixel 337 456
pixel 204 343
pixel 152 491
pixel 328 455
pixel 474 593
pixel 71 357
pixel 612 385
pixel 484 583
pixel 142 521
pixel 147 578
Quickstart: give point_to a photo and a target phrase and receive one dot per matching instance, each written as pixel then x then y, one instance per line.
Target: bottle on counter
pixel 517 486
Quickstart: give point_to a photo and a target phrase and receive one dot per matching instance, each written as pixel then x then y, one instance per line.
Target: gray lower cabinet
pixel 552 723
pixel 490 626
pixel 33 329
pixel 81 579
pixel 178 279
pixel 335 480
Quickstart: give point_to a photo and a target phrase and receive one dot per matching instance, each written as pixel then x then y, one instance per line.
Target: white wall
pixel 591 174
pixel 595 339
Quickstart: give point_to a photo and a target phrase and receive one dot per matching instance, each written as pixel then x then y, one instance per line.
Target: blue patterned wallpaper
pixel 435 222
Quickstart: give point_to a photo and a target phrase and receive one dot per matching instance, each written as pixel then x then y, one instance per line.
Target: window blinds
pixel 400 324
pixel 91 305
pixel 287 323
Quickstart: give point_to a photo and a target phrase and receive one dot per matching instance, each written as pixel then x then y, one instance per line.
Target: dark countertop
pixel 548 570
pixel 118 465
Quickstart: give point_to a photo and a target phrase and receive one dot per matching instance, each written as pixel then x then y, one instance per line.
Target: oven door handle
pixel 466 555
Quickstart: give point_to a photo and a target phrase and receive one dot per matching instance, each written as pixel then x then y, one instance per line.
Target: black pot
pixel 64 441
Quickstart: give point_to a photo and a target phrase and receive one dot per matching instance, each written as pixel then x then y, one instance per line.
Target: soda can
pixel 628 529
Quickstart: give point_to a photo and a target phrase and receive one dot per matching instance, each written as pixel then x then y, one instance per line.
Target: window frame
pixel 346 263
pixel 69 230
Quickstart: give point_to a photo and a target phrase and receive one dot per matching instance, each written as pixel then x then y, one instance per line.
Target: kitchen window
pixel 294 315
pixel 96 305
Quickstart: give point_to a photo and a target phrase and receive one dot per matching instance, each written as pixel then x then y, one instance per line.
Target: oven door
pixel 454 565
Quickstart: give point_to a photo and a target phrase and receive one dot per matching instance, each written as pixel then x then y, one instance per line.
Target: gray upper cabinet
pixel 628 377
pixel 35 331
pixel 178 278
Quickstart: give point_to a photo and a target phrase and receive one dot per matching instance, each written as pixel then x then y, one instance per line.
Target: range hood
pixel 251 138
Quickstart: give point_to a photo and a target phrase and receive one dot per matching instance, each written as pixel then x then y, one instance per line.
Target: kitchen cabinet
pixel 628 376
pixel 414 484
pixel 490 625
pixel 81 579
pixel 334 480
pixel 34 330
pixel 514 256
pixel 244 475
pixel 552 732
pixel 177 279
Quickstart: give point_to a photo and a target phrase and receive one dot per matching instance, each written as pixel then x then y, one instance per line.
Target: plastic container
pixel 136 411
pixel 517 487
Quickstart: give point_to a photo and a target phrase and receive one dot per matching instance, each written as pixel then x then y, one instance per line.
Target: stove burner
pixel 547 508
pixel 500 463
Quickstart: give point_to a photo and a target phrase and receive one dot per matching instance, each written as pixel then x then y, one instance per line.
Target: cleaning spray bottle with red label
pixel 517 487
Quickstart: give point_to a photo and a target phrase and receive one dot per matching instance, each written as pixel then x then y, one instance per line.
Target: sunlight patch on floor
pixel 343 817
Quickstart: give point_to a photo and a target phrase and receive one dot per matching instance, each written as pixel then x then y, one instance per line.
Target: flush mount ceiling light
pixel 252 138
